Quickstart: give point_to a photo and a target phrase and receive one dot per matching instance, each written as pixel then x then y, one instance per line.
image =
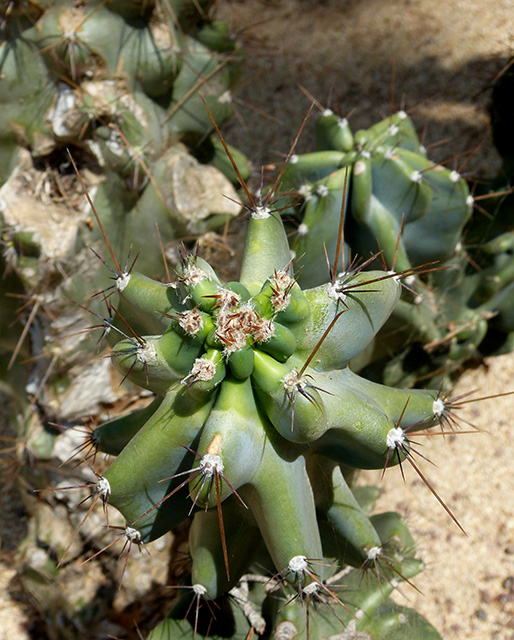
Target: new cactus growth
pixel 256 432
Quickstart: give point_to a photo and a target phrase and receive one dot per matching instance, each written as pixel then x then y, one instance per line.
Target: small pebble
pixel 481 614
pixel 508 583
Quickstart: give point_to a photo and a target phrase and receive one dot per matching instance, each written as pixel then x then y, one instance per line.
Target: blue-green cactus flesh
pixel 416 214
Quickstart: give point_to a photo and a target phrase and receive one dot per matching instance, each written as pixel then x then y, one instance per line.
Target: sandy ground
pixel 443 57
pixel 468 585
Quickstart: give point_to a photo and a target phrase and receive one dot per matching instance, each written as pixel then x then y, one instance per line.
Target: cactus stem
pixel 211 467
pixel 143 352
pixel 294 382
pixel 320 342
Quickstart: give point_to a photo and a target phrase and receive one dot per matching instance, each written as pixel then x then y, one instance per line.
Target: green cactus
pixel 258 423
pixel 256 431
pixel 414 215
pixel 391 186
pixel 118 85
pixel 109 91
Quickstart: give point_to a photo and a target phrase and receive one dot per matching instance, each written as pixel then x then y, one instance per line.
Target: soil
pixel 364 58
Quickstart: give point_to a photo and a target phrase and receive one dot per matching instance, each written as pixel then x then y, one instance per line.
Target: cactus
pixel 256 435
pixel 114 91
pixel 258 423
pixel 118 84
pixel 410 213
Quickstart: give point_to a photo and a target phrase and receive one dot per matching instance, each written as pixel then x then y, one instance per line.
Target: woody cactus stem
pixel 118 84
pixel 110 90
pixel 257 428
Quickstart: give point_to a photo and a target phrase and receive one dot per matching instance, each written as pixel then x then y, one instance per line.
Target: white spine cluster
pixel 202 370
pixel 281 283
pixel 395 438
pixel 193 275
pixel 293 382
pixel 210 463
pixel 416 176
pixel 303 229
pixel 191 321
pixel 438 407
pixel 147 353
pixel 122 281
pixel 335 291
pixel 373 553
pixel 133 535
pixel 305 191
pixel 199 590
pixel 227 299
pixel 395 276
pixel 103 488
pixel 298 564
pixel 261 212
